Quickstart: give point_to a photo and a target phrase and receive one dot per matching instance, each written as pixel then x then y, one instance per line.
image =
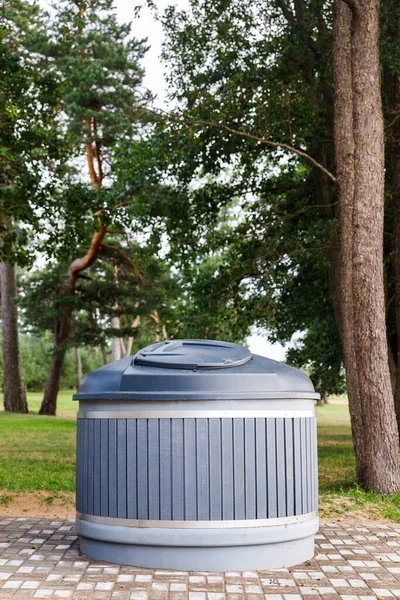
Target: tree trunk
pixel 63 322
pixel 104 355
pixel 49 403
pixel 344 159
pixel 13 385
pixel 392 81
pixel 78 360
pixel 154 316
pixel 381 450
pixel 115 341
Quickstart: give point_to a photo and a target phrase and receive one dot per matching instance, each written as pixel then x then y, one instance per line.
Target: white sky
pixel 147 27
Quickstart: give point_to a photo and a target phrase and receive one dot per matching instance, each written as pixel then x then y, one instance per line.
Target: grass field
pixel 38 453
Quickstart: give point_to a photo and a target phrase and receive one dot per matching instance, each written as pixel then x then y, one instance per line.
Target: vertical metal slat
pixel 131 451
pixel 227 469
pixel 215 469
pixel 261 470
pixel 178 510
pixel 104 467
pixel 112 468
pixel 165 470
pixel 203 487
pixel 122 483
pixel 250 468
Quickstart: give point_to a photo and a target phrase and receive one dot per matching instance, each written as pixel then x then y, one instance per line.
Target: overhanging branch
pixel 265 142
pixel 245 134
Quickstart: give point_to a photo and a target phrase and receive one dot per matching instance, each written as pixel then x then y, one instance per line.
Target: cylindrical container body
pixel 208 484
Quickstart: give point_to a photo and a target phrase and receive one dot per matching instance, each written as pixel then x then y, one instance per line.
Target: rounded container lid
pixel 193 354
pixel 195 370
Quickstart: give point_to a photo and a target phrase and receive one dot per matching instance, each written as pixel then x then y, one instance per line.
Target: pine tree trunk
pixel 13 385
pixel 344 158
pixel 63 325
pixel 49 402
pixel 381 450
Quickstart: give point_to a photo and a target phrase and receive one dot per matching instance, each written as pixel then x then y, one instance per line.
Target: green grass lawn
pixel 38 453
pixel 338 490
pixel 65 406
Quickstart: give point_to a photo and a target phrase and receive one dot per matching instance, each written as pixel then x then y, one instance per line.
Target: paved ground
pixel 40 559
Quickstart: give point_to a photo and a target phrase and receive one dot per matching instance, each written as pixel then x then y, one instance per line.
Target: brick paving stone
pixel 353 561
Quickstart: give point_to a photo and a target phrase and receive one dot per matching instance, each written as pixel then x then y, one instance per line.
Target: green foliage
pixel 98 61
pixel 31 140
pixel 253 229
pixel 100 65
pixel 127 281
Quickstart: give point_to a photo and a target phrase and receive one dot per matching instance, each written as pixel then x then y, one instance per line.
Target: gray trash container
pixel 197 455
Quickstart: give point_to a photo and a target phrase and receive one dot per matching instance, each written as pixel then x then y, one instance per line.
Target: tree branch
pixel 127 203
pixel 139 273
pixel 265 142
pixel 245 134
pixel 287 13
pixel 80 264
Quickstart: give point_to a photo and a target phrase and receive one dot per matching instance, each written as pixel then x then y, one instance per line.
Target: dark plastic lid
pixel 195 370
pixel 193 354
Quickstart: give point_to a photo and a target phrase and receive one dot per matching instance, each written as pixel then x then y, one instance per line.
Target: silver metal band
pixel 197 524
pixel 196 414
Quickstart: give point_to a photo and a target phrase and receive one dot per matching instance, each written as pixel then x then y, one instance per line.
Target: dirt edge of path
pixel 49 505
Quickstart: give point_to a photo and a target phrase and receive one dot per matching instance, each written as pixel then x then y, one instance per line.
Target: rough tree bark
pixel 13 385
pixel 392 85
pixel 344 159
pixel 380 456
